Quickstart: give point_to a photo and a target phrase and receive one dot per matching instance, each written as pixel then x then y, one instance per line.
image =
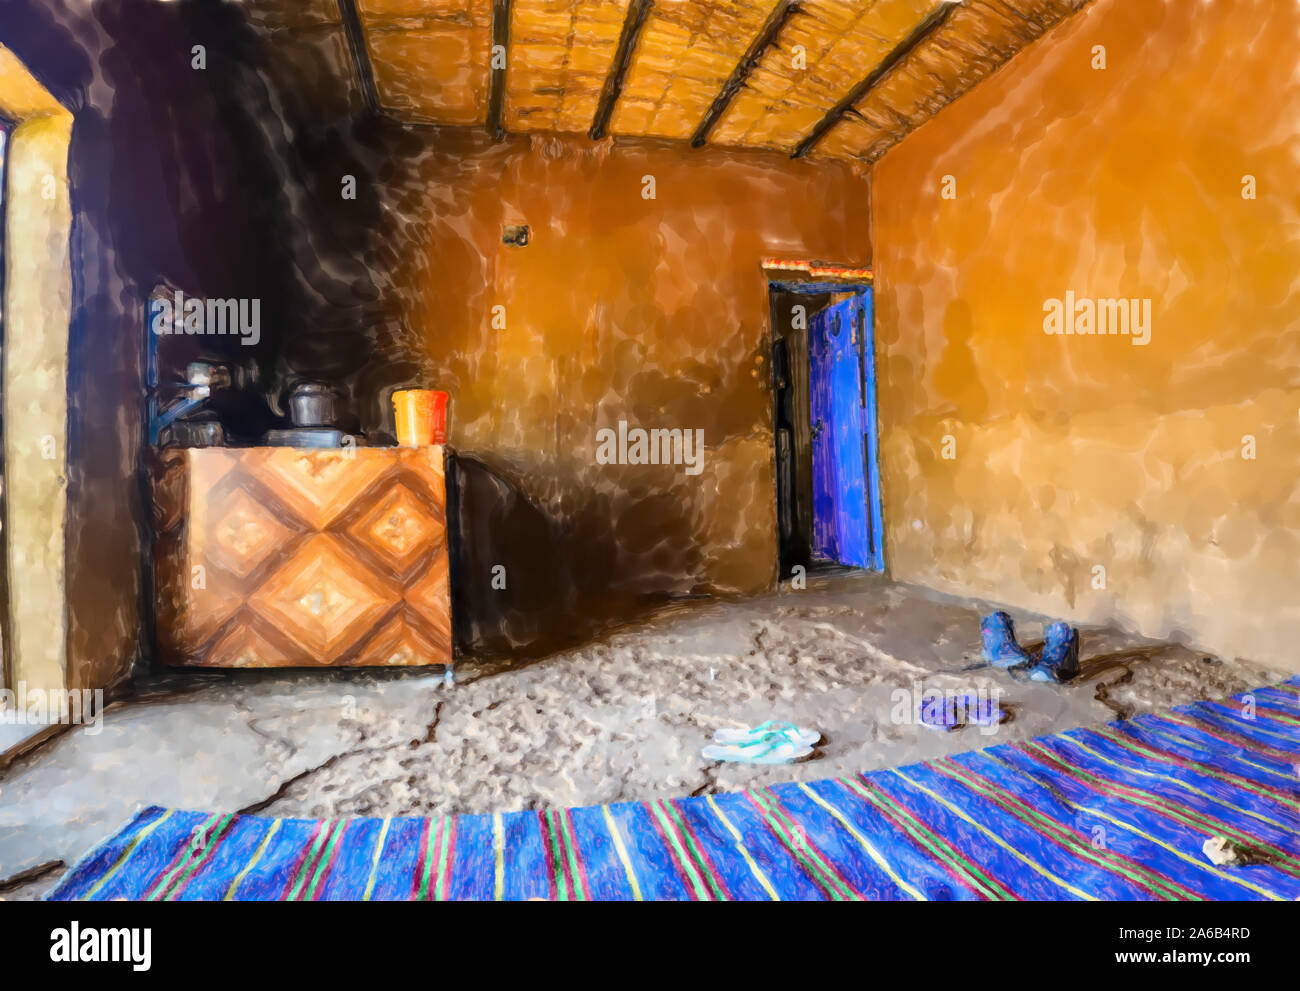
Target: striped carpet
pixel 1118 812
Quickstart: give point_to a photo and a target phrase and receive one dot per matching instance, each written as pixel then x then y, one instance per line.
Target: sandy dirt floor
pixel 621 719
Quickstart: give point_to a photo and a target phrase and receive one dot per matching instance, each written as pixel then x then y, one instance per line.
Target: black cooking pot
pixel 313 404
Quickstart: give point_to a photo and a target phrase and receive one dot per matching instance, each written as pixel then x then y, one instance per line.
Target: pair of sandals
pixel 1058 660
pixel 771 742
pixel 956 712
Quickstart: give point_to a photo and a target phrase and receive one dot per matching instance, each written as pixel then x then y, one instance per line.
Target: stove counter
pixel 294 557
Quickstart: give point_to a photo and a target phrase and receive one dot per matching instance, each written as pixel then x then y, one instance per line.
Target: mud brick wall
pixel 1172 465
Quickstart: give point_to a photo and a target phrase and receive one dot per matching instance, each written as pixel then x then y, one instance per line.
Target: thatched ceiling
pixel 836 78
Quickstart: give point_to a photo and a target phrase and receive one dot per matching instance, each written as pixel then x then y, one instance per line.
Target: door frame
pixel 6 143
pixel 868 396
pixel 37 408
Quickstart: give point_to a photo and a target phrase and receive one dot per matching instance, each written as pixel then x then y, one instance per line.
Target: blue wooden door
pixel 845 507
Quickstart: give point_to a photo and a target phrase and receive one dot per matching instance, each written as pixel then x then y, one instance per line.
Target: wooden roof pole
pixel 497 94
pixel 930 24
pixel 356 37
pixel 637 12
pixel 772 27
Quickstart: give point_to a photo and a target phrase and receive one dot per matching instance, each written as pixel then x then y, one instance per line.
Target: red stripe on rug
pixel 1066 836
pixel 301 860
pixel 1167 808
pixel 1163 754
pixel 315 889
pixel 696 851
pixel 1223 735
pixel 209 851
pixel 187 845
pixel 889 805
pixel 804 863
pixel 548 855
pixel 683 872
pixel 821 856
pixel 577 854
pixel 422 851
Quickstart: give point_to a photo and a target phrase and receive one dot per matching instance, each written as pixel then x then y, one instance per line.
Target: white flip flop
pixel 773 750
pixel 789 731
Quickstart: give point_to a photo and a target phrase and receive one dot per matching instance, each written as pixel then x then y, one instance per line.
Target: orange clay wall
pixel 649 310
pixel 1174 465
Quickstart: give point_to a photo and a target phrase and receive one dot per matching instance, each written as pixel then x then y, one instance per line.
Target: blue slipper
pixel 938 712
pixel 982 710
pixel 1059 660
pixel 956 712
pixel 998 636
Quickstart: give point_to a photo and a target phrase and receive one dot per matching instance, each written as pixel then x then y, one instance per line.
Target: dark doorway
pixel 6 133
pixel 823 369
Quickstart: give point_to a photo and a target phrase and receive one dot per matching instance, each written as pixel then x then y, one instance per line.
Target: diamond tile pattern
pixel 244 534
pixel 280 557
pixel 401 528
pixel 315 485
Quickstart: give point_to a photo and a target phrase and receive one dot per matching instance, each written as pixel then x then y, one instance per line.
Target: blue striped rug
pixel 1116 812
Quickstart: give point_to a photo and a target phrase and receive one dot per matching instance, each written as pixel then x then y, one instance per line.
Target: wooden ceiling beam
pixel 767 36
pixel 930 24
pixel 497 93
pixel 871 122
pixel 637 12
pixel 356 37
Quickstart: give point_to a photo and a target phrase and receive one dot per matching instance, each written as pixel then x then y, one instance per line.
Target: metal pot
pixel 312 404
pixel 198 433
